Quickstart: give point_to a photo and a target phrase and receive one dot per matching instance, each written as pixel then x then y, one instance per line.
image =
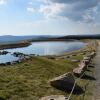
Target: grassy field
pixel 29 80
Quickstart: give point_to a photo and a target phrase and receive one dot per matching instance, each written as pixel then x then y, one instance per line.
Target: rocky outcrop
pixel 18 54
pixel 3 52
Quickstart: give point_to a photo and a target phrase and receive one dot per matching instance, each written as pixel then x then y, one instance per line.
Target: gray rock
pixel 54 97
pixel 80 69
pixel 74 60
pixel 65 83
pixel 8 63
pixel 2 64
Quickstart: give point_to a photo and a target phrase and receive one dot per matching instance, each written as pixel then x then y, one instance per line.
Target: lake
pixel 44 48
pixel 7 58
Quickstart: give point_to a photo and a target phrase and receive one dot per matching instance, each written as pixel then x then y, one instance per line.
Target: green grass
pixel 29 80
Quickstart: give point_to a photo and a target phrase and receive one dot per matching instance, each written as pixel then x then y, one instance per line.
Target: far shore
pixel 27 43
pixel 15 45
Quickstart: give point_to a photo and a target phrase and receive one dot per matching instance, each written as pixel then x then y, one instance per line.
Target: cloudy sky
pixel 34 17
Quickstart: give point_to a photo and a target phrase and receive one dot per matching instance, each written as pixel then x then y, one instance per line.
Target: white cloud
pixel 31 9
pixel 76 10
pixel 3 2
pixel 53 10
pixel 30 3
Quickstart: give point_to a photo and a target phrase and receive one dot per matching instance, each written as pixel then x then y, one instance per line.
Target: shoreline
pixel 15 45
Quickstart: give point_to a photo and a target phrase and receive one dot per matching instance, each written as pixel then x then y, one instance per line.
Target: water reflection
pixel 49 48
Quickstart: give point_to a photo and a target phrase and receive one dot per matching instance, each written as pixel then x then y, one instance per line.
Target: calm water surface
pixel 7 58
pixel 44 48
pixel 49 48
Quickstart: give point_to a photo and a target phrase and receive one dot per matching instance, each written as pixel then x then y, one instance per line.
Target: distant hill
pixel 13 39
pixel 95 36
pixel 10 38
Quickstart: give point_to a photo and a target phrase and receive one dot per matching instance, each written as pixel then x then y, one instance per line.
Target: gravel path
pixel 97 76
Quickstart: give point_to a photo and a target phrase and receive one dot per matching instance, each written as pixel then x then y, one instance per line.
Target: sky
pixel 49 17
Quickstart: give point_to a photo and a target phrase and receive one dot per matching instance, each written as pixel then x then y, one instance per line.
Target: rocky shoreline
pixel 3 52
pixel 21 57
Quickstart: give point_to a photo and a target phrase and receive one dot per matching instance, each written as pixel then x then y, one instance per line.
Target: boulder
pixel 74 60
pixel 65 83
pixel 74 54
pixel 87 58
pixel 82 53
pixel 82 65
pixel 54 97
pixel 51 57
pixel 86 62
pixel 14 62
pixel 81 69
pixel 3 52
pixel 78 72
pixel 91 55
pixel 18 54
pixel 64 57
pixel 27 57
pixel 2 64
pixel 8 63
pixel 18 61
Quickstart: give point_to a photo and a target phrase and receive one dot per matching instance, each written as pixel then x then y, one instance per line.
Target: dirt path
pixel 97 76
